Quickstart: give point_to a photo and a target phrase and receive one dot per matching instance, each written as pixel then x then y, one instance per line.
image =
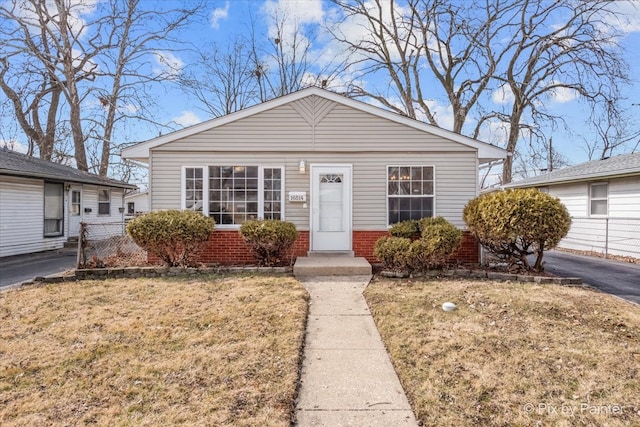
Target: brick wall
pixel 364 241
pixel 226 247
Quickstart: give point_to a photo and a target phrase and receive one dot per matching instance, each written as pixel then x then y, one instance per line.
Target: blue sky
pixel 226 18
pixel 229 17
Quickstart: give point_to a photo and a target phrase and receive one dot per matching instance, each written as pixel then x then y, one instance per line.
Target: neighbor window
pixel 232 195
pixel 131 208
pixel 598 194
pixel 104 201
pixel 410 192
pixel 53 208
pixel 75 202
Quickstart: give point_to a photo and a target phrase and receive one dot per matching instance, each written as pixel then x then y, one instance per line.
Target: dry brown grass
pixel 206 351
pixel 511 354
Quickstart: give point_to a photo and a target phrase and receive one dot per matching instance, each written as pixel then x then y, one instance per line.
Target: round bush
pixel 438 241
pixel 176 237
pixel 408 229
pixel 269 239
pixel 392 252
pixel 514 224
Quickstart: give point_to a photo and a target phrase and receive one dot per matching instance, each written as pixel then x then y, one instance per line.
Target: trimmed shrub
pixel 439 240
pixel 418 244
pixel 269 239
pixel 392 252
pixel 408 229
pixel 514 224
pixel 429 221
pixel 176 237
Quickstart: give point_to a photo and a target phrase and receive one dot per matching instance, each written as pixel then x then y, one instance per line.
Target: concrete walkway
pixel 347 377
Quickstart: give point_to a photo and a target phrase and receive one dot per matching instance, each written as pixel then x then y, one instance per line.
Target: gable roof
pixel 17 164
pixel 623 165
pixel 486 152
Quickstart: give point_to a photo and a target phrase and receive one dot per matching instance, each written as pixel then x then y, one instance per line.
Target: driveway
pixel 23 268
pixel 617 278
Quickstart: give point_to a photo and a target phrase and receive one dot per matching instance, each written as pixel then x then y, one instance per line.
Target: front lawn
pixel 198 351
pixel 511 354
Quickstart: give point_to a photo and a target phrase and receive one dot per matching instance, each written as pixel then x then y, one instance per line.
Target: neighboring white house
pixel 603 198
pixel 136 203
pixel 42 204
pixel 341 170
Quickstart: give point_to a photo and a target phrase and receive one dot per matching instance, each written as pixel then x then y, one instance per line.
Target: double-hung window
pixel 598 195
pixel 410 193
pixel 193 198
pixel 104 201
pixel 234 194
pixel 53 209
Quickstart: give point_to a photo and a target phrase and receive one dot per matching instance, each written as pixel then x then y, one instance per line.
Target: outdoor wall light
pixel 302 166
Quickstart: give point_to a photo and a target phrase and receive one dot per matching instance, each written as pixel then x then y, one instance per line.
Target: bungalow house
pixel 341 170
pixel 43 203
pixel 603 198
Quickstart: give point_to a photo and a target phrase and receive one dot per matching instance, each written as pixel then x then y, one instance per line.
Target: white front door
pixel 331 207
pixel 75 210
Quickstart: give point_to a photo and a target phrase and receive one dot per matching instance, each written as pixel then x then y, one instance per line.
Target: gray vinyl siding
pixel 456 180
pixel 321 131
pixel 336 129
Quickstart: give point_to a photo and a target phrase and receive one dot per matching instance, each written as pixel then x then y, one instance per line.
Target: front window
pixel 53 208
pixel 410 192
pixel 598 194
pixel 232 195
pixel 104 202
pixel 194 189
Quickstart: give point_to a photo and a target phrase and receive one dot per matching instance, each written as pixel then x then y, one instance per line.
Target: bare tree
pixel 575 58
pixel 84 67
pixel 614 132
pixel 224 79
pixel 468 52
pixel 257 67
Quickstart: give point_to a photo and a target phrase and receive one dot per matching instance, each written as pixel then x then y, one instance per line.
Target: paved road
pixel 617 278
pixel 22 268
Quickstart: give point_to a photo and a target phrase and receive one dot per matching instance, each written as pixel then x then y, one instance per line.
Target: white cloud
pixel 564 94
pixel 219 14
pixel 286 19
pixel 13 145
pixel 624 16
pixel 75 21
pixel 293 13
pixel 502 95
pixel 494 132
pixel 167 64
pixel 187 118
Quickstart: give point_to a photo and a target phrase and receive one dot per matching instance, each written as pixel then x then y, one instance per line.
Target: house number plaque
pixel 297 196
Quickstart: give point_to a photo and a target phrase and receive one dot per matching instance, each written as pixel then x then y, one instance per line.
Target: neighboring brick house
pixel 341 170
pixel 42 204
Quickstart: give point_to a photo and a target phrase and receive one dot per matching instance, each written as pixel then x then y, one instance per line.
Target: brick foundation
pixel 364 241
pixel 225 247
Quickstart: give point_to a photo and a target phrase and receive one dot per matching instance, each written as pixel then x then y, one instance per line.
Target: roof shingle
pixel 625 164
pixel 17 164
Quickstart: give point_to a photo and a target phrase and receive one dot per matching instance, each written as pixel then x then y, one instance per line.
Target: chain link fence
pixel 105 245
pixel 617 237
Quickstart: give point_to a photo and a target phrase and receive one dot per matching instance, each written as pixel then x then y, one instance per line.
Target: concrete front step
pixel 331 265
pixel 330 253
